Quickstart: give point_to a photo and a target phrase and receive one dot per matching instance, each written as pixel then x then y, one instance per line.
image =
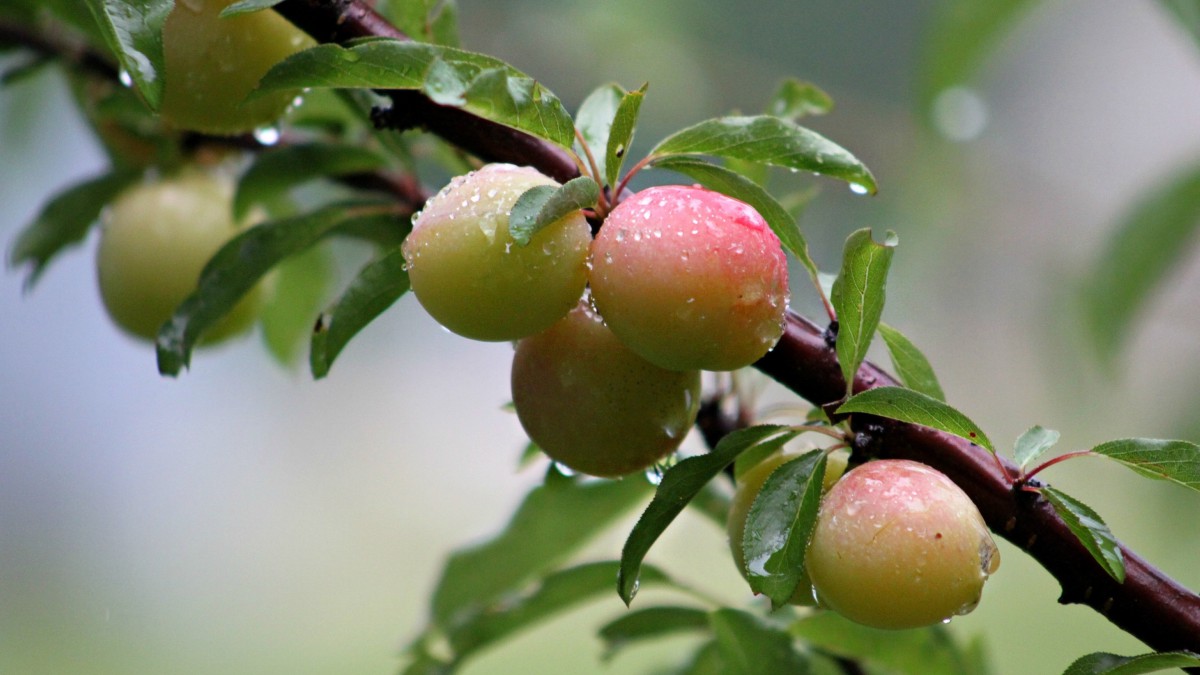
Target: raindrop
pixel 608 258
pixel 959 114
pixel 125 77
pixel 654 475
pixel 267 135
pixel 620 235
pixel 858 189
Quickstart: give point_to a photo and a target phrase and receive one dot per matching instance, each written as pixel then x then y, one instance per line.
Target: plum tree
pixel 594 405
pixel 469 273
pixel 690 278
pixel 898 545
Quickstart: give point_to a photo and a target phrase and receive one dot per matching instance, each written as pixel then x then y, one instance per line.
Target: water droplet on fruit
pixel 608 258
pixel 637 236
pixel 267 135
pixel 858 189
pixel 620 235
pixel 491 193
pixel 657 234
pixel 125 78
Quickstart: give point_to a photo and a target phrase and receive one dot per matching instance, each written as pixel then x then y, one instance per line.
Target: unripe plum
pixel 898 545
pixel 690 278
pixel 473 278
pixel 595 406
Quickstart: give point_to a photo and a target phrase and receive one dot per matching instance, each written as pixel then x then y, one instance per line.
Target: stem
pixel 602 205
pixel 1051 462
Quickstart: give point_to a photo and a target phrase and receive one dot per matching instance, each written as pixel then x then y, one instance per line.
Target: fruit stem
pixel 602 206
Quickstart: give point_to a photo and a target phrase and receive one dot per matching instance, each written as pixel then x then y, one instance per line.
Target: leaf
pixel 712 503
pixel 247 6
pixel 768 140
pixel 1090 529
pixel 749 459
pixel 133 30
pixel 1176 461
pixel 795 99
pixel 1033 444
pixel 1151 241
pixel 911 365
pixel 64 221
pixel 1101 663
pixel 650 623
pixel 620 138
pixel 906 405
pixel 1187 14
pixel 377 286
pixel 858 297
pixel 242 262
pixel 594 121
pixel 298 286
pixel 543 205
pixel 779 525
pixel 750 646
pixel 279 169
pixel 739 187
pixel 443 25
pixel 920 651
pixel 679 485
pixel 530 452
pixel 706 660
pixel 480 84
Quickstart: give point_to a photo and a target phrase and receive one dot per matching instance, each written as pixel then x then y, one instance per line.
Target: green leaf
pixel 247 6
pixel 1176 461
pixel 1101 663
pixel 750 646
pixel 706 660
pixel 911 365
pixel 64 221
pixel 1090 529
pixel 377 286
pixel 621 135
pixel 298 289
pixel 541 206
pixel 768 140
pixel 242 262
pixel 795 99
pixel 739 187
pixel 712 503
pixel 749 459
pixel 530 452
pixel 1151 241
pixel 279 169
pixel 443 25
pixel 779 525
pixel 650 623
pixel 858 297
pixel 679 485
pixel 921 651
pixel 480 84
pixel 553 522
pixel 1187 14
pixel 1033 444
pixel 906 405
pixel 594 120
pixel 133 30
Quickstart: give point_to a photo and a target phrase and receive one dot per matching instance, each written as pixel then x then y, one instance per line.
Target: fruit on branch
pixel 898 545
pixel 211 64
pixel 469 273
pixel 593 405
pixel 155 239
pixel 690 278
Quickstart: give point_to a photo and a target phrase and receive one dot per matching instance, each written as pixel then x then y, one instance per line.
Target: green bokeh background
pixel 244 519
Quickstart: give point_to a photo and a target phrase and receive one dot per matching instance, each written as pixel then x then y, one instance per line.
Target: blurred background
pixel 245 519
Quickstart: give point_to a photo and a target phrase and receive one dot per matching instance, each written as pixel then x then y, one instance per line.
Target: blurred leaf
pixel 243 261
pixel 1033 444
pixel 443 26
pixel 906 405
pixel 750 646
pixel 768 140
pixel 1150 242
pixel 133 30
pixel 424 20
pixel 1101 663
pixel 1090 529
pixel 277 170
pixel 247 6
pixel 1187 14
pixel 679 485
pixel 650 623
pixel 480 84
pixel 377 286
pixel 779 525
pixel 749 459
pixel 795 99
pixel 921 651
pixel 911 365
pixel 299 286
pixel 64 221
pixel 529 453
pixel 620 137
pixel 1176 461
pixel 544 205
pixel 594 121
pixel 858 298
pixel 713 503
pixel 707 660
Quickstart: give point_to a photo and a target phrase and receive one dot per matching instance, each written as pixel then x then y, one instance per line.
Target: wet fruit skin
pixel 593 405
pixel 898 545
pixel 473 278
pixel 690 278
pixel 155 239
pixel 212 63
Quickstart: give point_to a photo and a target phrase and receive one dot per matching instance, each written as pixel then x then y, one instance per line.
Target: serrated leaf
pixel 544 205
pixel 299 286
pixel 679 485
pixel 647 624
pixel 277 170
pixel 920 651
pixel 1101 663
pixel 594 120
pixel 1090 529
pixel 247 6
pixel 751 646
pixel 1033 444
pixel 1151 241
pixel 739 187
pixel 64 221
pixel 1186 14
pixel 768 140
pixel 911 365
pixel 795 99
pixel 377 286
pixel 906 405
pixel 133 30
pixel 1176 461
pixel 242 262
pixel 858 298
pixel 621 135
pixel 779 525
pixel 480 84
